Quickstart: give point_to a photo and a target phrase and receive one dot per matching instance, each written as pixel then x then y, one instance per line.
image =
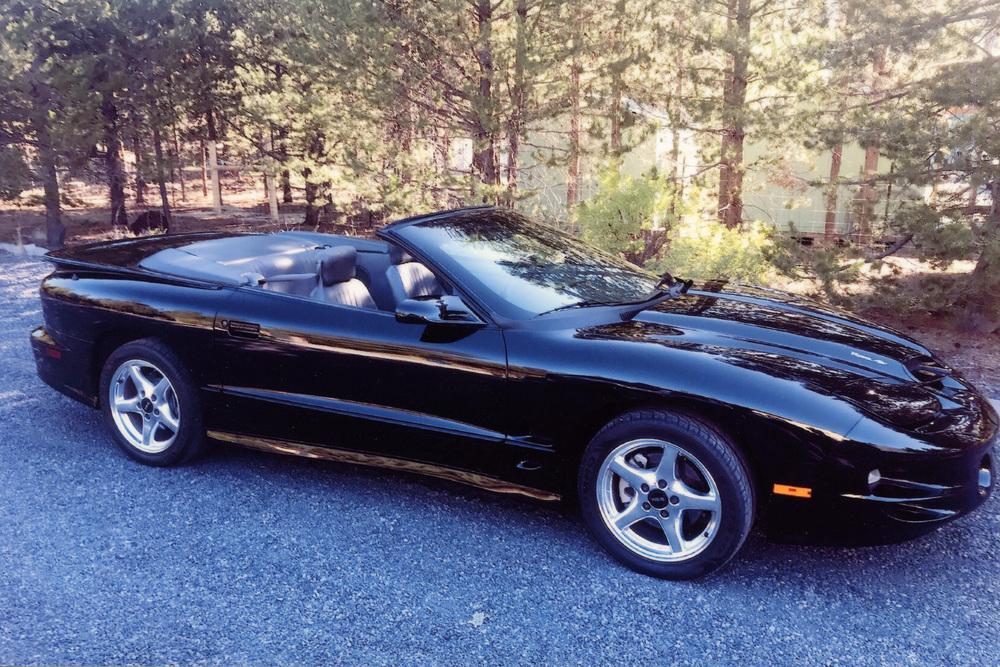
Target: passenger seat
pixel 408 278
pixel 337 269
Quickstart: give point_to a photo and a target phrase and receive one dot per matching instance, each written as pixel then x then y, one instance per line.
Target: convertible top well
pixel 232 260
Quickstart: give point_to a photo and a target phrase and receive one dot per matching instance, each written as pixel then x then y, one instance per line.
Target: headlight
pixel 899 404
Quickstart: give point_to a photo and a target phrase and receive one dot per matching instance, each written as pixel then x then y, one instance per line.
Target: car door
pixel 300 370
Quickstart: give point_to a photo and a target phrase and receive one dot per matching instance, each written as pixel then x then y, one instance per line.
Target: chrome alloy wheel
pixel 144 406
pixel 658 500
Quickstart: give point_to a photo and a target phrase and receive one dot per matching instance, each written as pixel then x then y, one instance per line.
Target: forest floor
pixel 87 220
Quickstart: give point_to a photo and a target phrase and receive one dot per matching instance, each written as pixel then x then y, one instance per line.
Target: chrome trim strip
pixel 377 461
pixel 367 411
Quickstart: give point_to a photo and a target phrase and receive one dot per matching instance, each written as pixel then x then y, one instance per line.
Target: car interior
pixel 341 270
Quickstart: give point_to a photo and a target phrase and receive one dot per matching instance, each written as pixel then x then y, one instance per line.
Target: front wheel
pixel 666 494
pixel 150 404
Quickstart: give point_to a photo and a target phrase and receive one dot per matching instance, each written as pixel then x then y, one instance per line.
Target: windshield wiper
pixel 577 304
pixel 668 288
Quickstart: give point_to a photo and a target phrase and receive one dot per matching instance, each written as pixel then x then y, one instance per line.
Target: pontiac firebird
pixel 477 346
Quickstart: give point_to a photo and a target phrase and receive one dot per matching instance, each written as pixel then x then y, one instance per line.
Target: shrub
pixel 629 216
pixel 706 249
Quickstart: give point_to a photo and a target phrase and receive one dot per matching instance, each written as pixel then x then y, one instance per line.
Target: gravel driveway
pixel 246 557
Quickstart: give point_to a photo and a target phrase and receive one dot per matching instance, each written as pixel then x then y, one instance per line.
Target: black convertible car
pixel 477 346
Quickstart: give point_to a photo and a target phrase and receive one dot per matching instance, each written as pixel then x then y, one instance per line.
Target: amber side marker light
pixel 795 491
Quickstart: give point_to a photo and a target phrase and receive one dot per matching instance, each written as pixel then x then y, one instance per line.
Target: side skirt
pixel 373 460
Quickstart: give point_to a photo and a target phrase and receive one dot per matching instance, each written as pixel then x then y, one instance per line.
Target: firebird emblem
pixel 867 358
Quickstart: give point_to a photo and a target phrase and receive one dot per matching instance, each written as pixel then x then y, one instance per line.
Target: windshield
pixel 522 269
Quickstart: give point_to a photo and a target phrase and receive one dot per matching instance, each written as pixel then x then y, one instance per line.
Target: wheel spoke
pixel 148 430
pixel 630 515
pixel 167 417
pixel 671 526
pixel 635 477
pixel 694 500
pixel 142 385
pixel 160 390
pixel 666 470
pixel 128 405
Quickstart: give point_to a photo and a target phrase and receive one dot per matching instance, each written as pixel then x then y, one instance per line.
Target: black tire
pixel 715 452
pixel 189 441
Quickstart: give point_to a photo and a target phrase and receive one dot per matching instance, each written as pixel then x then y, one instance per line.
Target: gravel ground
pixel 246 557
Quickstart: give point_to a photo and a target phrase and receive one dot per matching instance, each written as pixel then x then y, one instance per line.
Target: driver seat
pixel 408 278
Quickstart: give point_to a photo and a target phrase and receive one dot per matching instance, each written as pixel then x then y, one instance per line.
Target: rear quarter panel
pixel 89 314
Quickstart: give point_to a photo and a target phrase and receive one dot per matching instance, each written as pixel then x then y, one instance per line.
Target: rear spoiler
pixel 71 264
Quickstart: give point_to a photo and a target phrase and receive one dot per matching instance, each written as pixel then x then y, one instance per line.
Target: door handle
pixel 529 466
pixel 242 329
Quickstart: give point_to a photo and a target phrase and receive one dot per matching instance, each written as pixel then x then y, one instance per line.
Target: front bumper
pixel 895 508
pixel 881 486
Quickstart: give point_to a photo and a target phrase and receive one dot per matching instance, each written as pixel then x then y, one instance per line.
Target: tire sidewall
pixel 190 431
pixel 736 495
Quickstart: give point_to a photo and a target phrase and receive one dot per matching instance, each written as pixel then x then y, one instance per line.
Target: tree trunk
pixel 286 176
pixel 204 169
pixel 400 128
pixel 286 186
pixel 213 139
pixel 484 158
pixel 830 223
pixel 140 179
pixel 518 99
pixel 281 134
pixel 161 178
pixel 981 312
pixel 616 83
pixel 731 165
pixel 675 114
pixel 867 192
pixel 315 153
pixel 180 164
pixel 171 168
pixel 55 231
pixel 573 167
pixel 312 210
pixel 442 157
pixel 114 165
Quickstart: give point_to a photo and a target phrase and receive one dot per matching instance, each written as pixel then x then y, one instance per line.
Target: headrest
pixel 337 264
pixel 399 256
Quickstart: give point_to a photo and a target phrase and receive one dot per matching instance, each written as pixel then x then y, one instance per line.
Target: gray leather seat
pixel 338 284
pixel 300 284
pixel 288 273
pixel 408 278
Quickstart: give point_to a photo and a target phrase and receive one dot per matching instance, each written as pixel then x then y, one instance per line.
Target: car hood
pixel 765 325
pixel 746 346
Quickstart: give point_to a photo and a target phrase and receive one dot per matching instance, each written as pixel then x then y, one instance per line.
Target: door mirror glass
pixel 447 309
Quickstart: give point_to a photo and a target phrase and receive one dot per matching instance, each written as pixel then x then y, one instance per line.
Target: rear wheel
pixel 666 494
pixel 150 404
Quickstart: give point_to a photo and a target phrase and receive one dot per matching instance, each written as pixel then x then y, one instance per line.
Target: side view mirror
pixel 447 309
